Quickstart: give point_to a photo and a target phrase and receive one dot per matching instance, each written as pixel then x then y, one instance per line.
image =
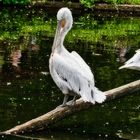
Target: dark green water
pixel 27 90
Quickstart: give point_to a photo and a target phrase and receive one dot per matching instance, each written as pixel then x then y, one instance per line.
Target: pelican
pixel 133 63
pixel 68 70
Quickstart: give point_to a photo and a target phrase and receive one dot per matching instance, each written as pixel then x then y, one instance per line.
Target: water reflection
pixel 121 52
pixel 15 57
pixel 27 90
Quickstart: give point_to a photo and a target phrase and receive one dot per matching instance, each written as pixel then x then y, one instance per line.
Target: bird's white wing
pixel 135 58
pixel 137 50
pixel 69 77
pixel 133 63
pixel 82 65
pixel 68 72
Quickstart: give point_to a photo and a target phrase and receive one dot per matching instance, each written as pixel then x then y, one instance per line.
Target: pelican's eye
pixel 63 22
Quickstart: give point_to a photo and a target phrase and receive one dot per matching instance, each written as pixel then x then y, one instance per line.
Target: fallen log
pixel 59 113
pixel 78 8
pixel 119 7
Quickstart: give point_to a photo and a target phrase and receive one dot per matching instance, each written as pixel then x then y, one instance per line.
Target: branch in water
pixel 59 113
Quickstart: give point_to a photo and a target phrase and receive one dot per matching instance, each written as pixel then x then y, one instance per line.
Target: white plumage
pixel 68 70
pixel 133 63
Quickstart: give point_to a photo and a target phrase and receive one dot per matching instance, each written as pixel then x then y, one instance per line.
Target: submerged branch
pixel 59 113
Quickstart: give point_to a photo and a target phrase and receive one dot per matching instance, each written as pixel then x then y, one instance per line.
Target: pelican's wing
pixel 135 58
pixel 82 64
pixel 134 62
pixel 68 72
pixel 137 50
pixel 73 77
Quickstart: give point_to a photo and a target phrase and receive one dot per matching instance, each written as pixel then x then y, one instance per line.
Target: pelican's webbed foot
pixel 72 102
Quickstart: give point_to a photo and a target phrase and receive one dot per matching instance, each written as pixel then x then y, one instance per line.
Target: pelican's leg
pixel 65 100
pixel 72 102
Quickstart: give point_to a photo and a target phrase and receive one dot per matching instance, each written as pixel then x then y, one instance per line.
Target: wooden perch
pixel 59 113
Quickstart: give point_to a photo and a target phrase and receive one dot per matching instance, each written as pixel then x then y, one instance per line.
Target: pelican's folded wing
pixel 82 64
pixel 73 78
pixel 68 73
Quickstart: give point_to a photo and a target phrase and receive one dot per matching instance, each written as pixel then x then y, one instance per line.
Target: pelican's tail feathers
pixel 98 95
pixel 93 95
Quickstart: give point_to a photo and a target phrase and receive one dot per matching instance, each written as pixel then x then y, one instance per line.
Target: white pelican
pixel 133 63
pixel 68 70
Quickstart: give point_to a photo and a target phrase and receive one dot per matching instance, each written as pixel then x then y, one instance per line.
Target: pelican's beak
pixel 61 24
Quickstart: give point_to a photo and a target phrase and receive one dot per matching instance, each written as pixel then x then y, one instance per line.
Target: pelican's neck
pixel 59 40
pixel 63 35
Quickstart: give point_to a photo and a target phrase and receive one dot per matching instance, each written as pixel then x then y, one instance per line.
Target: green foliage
pixel 87 3
pixel 123 1
pixel 15 1
pixel 90 3
pixel 112 33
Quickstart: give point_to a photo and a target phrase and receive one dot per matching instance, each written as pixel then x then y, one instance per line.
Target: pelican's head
pixel 65 20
